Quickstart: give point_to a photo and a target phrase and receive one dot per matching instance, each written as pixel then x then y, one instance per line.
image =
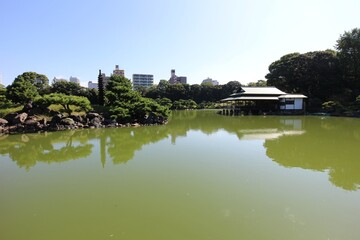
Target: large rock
pixel 92 115
pixel 20 118
pixel 67 121
pixel 3 122
pixel 56 119
pixel 76 118
pixel 31 122
pixel 27 107
pixel 10 118
pixel 96 122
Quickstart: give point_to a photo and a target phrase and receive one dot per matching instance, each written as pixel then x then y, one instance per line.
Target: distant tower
pixel 118 71
pixel 173 78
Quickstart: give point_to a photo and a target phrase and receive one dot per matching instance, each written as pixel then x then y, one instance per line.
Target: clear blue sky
pixel 222 39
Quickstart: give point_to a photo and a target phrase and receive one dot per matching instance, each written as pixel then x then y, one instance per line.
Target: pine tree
pixel 101 89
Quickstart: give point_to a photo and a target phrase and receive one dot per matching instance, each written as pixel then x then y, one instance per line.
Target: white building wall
pixel 297 105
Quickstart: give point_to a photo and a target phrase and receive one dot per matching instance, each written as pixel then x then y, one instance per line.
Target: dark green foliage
pixel 184 104
pixel 92 94
pixel 348 46
pixel 71 88
pixel 196 92
pixel 40 81
pixel 26 87
pixel 82 103
pixel 21 91
pixel 67 88
pixel 332 107
pixel 127 105
pixel 3 100
pixel 230 88
pixel 164 102
pixel 259 83
pixel 101 89
pixel 315 74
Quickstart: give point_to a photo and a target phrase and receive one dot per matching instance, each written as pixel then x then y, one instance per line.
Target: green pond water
pixel 202 176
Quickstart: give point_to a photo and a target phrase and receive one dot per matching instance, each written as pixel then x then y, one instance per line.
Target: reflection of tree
pixel 124 142
pixel 328 144
pixel 319 144
pixel 28 149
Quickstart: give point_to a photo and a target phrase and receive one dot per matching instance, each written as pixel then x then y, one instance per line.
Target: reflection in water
pixel 329 144
pixel 28 149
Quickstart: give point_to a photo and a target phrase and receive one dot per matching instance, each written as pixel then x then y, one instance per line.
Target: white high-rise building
pixel 144 80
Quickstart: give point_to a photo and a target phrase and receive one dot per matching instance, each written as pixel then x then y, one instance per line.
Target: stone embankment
pixel 31 120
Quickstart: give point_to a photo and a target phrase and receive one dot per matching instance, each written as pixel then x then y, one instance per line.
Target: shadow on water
pixel 320 144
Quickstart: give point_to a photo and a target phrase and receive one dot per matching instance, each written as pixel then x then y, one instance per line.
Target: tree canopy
pixel 315 74
pixel 66 101
pixel 348 46
pixel 127 105
pixel 21 91
pixel 40 81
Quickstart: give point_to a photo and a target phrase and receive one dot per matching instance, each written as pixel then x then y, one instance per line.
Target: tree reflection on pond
pixel 321 144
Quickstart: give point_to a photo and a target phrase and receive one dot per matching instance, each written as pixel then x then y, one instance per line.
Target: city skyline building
pixel 175 79
pixel 142 80
pixel 118 71
pixel 74 80
pixel 93 85
pixel 211 81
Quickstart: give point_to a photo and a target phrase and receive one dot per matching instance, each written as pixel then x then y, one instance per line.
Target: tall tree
pixel 127 105
pixel 101 89
pixel 348 46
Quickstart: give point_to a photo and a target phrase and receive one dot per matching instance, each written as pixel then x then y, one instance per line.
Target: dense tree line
pixel 197 93
pixel 331 79
pixel 30 85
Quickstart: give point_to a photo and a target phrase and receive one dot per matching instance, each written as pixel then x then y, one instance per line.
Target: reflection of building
pixel 210 81
pixel 265 134
pixel 175 79
pixel 288 126
pixel 258 100
pixel 144 80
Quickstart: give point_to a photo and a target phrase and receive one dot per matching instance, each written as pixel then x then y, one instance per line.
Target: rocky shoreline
pixel 32 121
